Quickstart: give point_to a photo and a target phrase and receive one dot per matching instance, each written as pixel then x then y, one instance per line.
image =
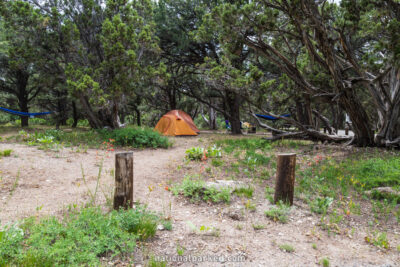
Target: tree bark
pixel 364 135
pixel 213 118
pixel 285 176
pixel 123 196
pixel 74 115
pixel 22 78
pixel 233 103
pixel 138 117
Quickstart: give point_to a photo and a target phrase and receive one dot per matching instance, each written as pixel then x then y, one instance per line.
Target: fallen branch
pixel 325 121
pixel 266 126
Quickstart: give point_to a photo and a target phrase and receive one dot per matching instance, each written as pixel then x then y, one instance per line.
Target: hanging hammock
pixel 272 118
pixel 24 114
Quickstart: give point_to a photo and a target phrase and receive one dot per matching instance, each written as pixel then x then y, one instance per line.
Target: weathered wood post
pixel 123 195
pixel 285 176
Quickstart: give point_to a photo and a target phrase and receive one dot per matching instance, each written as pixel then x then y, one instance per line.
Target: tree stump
pixel 123 195
pixel 285 176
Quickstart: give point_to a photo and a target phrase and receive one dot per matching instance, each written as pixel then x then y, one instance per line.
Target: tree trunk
pixel 74 115
pixel 233 102
pixel 93 119
pixel 23 95
pixel 138 117
pixel 213 118
pixel 171 98
pixel 23 106
pixel 389 117
pixel 364 135
pixel 304 112
pixel 308 111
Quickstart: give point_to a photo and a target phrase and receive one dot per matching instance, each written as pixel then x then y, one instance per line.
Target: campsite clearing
pixel 38 183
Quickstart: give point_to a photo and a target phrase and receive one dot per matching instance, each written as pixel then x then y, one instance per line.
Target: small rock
pixel 383 190
pixel 231 184
pixel 160 227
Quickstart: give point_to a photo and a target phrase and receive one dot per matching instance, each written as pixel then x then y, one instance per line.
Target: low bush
pixel 244 191
pixel 196 190
pixel 136 137
pixel 195 153
pixel 5 153
pixel 199 153
pixel 80 238
pixel 279 213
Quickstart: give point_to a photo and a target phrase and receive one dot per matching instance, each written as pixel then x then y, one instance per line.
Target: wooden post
pixel 285 176
pixel 123 195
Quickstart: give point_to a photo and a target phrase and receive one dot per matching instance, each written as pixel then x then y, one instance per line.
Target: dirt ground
pixel 36 182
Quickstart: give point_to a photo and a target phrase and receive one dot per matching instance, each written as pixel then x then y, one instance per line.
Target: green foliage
pixel 80 238
pixel 361 174
pixel 196 190
pixel 325 262
pixel 195 153
pixel 278 213
pixel 136 137
pixel 321 205
pixel 154 263
pixel 214 152
pixel 244 192
pixel 199 153
pixel 378 239
pixel 286 248
pixel 269 194
pixel 167 224
pixel 5 153
pixel 124 31
pixel 258 226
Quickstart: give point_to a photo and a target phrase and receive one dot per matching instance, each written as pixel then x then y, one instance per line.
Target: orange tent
pixel 176 122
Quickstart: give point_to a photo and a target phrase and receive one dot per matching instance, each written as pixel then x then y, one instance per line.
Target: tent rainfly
pixel 176 122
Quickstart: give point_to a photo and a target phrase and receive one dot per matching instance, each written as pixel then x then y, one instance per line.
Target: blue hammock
pixel 24 114
pixel 271 118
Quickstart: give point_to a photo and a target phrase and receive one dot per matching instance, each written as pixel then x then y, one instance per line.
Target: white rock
pixel 219 184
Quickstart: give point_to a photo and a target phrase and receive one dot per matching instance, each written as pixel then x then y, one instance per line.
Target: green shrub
pixel 196 190
pixel 136 137
pixel 321 205
pixel 5 153
pixel 195 153
pixel 279 213
pixel 325 262
pixel 199 153
pixel 287 248
pixel 80 238
pixel 214 152
pixel 244 191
